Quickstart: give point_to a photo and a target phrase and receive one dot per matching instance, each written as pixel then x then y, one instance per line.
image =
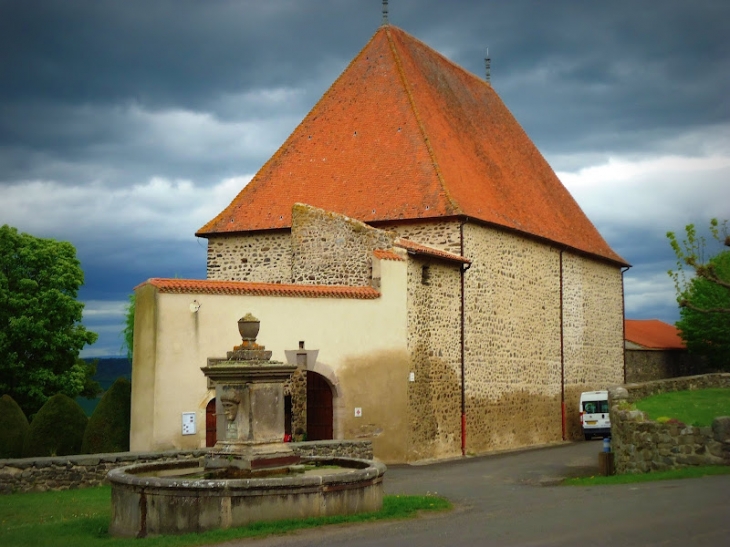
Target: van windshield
pixel 595 407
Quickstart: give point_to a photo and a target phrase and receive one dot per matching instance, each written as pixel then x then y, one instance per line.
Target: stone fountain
pixel 250 474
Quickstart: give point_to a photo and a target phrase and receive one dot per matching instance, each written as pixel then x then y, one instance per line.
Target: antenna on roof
pixel 385 12
pixel 488 67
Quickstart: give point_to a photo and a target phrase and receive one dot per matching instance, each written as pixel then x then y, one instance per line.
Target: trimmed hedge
pixel 108 427
pixel 57 429
pixel 13 428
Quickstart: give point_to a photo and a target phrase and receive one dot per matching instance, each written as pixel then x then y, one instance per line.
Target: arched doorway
pixel 319 408
pixel 210 433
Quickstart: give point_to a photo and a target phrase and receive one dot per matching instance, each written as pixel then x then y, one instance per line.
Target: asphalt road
pixel 514 499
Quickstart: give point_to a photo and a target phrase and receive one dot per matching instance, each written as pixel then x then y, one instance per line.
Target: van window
pixel 595 407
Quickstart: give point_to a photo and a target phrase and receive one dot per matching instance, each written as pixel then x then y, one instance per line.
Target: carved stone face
pixel 230 409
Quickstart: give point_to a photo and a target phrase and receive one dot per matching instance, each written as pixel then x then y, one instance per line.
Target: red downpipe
pixel 562 352
pixel 463 367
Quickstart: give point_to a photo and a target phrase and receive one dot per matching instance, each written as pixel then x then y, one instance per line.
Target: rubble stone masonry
pixel 256 257
pixel 332 249
pixel 434 345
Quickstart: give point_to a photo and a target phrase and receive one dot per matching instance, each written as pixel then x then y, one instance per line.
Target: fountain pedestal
pixel 249 412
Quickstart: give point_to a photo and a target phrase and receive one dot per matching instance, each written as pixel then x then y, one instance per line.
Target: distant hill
pixel 108 369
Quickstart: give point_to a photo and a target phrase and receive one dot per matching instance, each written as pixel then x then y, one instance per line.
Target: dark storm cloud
pixel 131 122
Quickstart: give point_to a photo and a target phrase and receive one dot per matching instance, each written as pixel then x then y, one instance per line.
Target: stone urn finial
pixel 248 327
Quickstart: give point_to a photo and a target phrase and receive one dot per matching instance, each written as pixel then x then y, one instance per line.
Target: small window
pixel 425 275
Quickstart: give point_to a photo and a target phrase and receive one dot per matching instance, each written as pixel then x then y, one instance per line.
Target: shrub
pixel 13 428
pixel 108 427
pixel 57 429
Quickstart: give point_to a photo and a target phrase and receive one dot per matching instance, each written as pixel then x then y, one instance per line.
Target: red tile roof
pixel 404 133
pixel 417 248
pixel 186 286
pixel 653 334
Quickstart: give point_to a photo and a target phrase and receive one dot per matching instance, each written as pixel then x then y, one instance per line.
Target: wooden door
pixel 210 423
pixel 319 408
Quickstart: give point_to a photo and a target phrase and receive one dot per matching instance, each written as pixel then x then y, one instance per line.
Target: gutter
pixel 562 352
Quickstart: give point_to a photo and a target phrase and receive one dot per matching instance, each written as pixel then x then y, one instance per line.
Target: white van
pixel 594 417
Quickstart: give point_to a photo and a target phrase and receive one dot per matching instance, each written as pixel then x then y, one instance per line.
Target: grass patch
pixel 697 407
pixel 80 518
pixel 684 473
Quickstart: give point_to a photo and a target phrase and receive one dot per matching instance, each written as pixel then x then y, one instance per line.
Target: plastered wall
pixel 352 336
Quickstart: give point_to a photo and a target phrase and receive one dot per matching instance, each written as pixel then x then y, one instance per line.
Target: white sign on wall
pixel 358 412
pixel 188 423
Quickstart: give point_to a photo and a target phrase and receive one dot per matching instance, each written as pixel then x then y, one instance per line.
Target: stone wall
pixel 434 344
pixel 646 365
pixel 512 341
pixel 332 249
pixel 641 445
pixel 258 257
pixel 82 471
pixel 592 331
pixel 638 391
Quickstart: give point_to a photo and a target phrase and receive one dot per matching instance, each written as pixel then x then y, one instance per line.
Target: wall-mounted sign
pixel 358 412
pixel 188 423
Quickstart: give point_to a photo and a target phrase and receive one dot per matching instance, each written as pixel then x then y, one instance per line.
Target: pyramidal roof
pixel 406 134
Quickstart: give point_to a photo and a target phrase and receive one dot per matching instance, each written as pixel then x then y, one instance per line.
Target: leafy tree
pixel 41 333
pixel 57 429
pixel 128 331
pixel 13 428
pixel 704 299
pixel 108 428
pixel 693 252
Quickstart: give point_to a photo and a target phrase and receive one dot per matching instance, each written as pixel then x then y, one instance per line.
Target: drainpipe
pixel 623 316
pixel 562 351
pixel 462 271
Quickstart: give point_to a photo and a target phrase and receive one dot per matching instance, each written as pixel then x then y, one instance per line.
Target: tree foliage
pixel 41 333
pixel 57 429
pixel 704 298
pixel 694 260
pixel 13 428
pixel 128 332
pixel 108 428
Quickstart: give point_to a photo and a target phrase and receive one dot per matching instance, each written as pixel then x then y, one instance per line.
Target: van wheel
pixel 588 436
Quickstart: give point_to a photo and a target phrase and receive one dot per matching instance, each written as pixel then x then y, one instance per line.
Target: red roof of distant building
pixel 402 134
pixel 200 286
pixel 653 334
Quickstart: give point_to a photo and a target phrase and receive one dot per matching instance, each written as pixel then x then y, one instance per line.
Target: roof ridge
pixel 279 151
pixel 457 209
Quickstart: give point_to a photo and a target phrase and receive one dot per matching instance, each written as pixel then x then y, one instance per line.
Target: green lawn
pixel 684 473
pixel 698 407
pixel 80 518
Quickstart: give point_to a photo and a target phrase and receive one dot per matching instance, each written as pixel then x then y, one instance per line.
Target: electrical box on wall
pixel 188 423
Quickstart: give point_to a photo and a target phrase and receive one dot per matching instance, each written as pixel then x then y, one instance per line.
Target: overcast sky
pixel 126 125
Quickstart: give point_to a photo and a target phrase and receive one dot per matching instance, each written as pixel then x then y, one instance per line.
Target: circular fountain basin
pixel 177 498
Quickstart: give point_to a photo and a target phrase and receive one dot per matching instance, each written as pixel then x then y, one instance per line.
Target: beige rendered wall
pixel 592 330
pixel 362 351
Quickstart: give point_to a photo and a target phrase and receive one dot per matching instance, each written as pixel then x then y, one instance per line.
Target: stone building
pixel 413 251
pixel 656 351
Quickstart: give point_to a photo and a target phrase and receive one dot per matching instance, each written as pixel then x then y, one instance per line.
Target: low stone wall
pixel 641 445
pixel 82 471
pixel 638 391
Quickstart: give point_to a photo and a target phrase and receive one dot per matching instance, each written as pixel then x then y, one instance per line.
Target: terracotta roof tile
pixel 653 334
pixel 417 248
pixel 387 255
pixel 466 155
pixel 185 286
